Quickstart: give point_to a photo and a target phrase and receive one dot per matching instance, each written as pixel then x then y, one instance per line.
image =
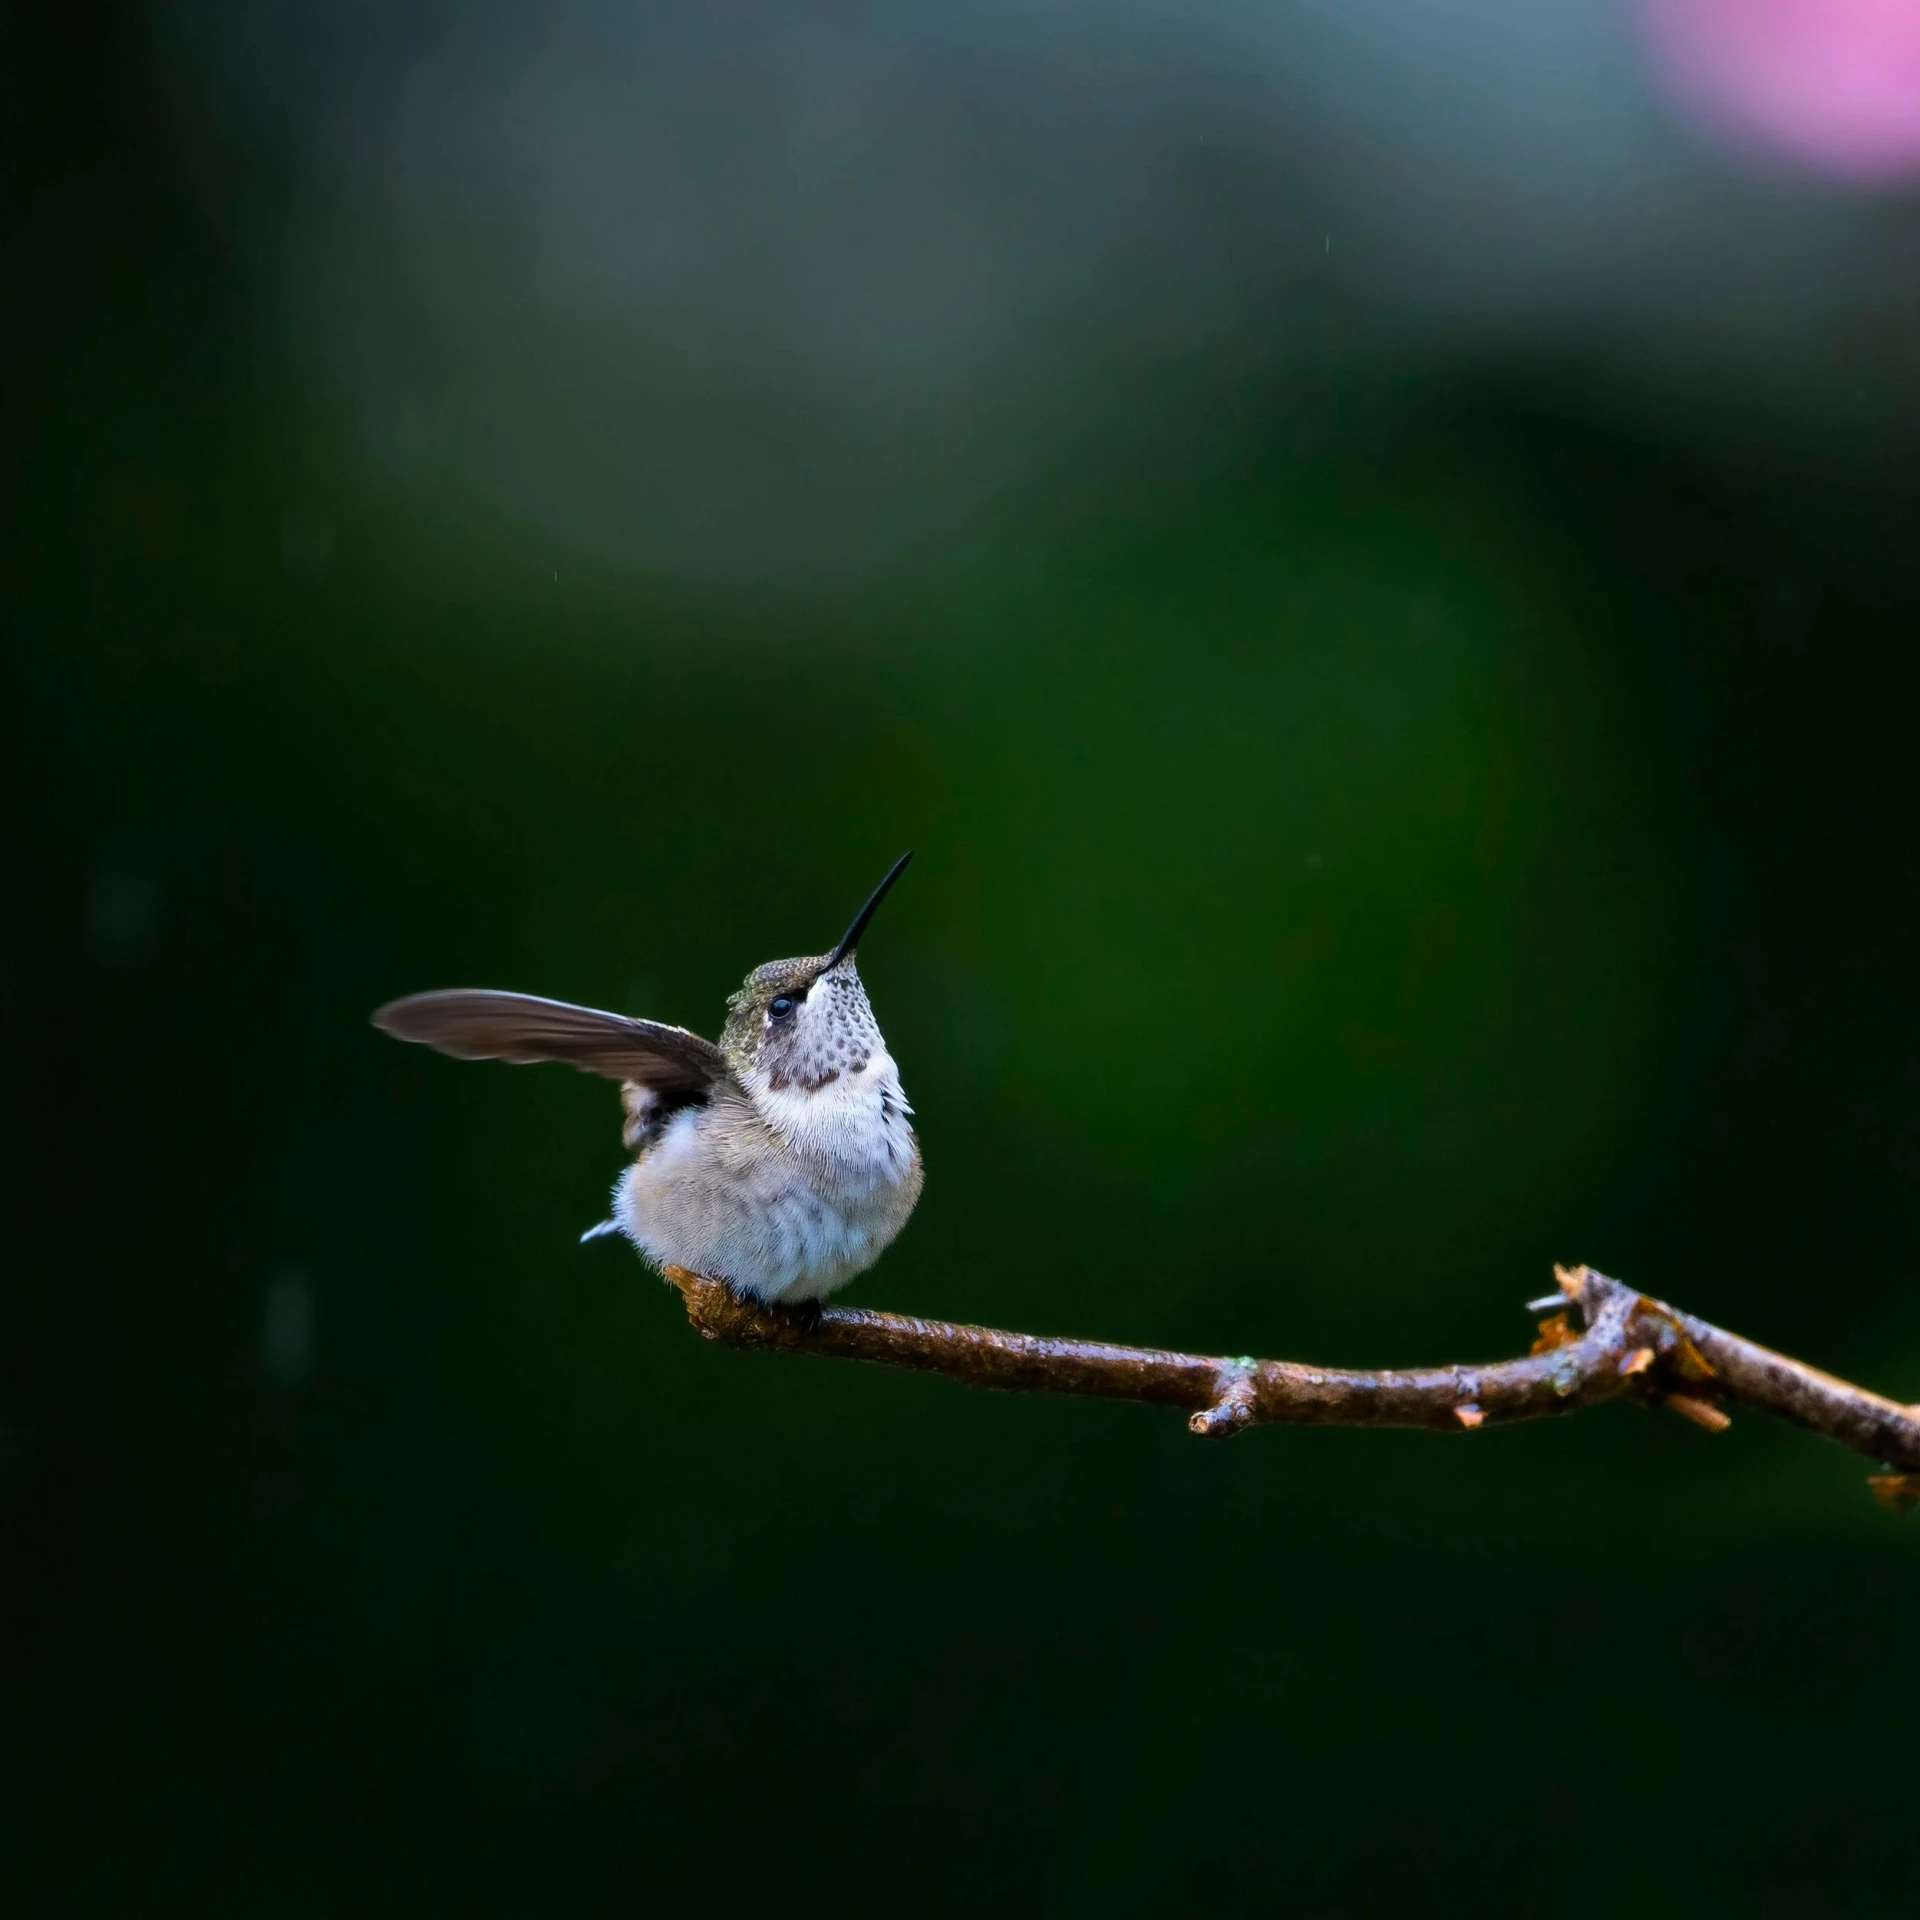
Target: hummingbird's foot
pixel 803 1315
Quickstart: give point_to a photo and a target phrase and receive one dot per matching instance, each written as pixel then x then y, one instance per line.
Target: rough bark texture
pixel 1627 1344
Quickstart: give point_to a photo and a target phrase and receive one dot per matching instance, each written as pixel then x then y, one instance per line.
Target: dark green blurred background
pixel 1410 784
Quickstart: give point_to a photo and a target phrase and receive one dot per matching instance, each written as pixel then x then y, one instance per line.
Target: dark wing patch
pixel 473 1024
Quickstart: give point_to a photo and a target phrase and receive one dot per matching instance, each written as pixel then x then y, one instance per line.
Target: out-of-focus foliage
pixel 1376 572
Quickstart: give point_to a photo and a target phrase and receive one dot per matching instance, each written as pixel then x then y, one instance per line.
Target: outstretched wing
pixel 473 1024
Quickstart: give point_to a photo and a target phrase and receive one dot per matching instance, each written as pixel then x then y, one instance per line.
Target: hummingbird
pixel 781 1161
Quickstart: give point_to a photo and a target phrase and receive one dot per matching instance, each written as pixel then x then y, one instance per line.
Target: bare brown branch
pixel 1629 1344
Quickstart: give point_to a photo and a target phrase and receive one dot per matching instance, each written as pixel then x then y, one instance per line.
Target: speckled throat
pixel 824 1028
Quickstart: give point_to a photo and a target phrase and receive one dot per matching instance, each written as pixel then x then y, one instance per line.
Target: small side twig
pixel 1628 1344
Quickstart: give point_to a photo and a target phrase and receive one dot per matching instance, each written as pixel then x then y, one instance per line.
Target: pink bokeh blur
pixel 1833 85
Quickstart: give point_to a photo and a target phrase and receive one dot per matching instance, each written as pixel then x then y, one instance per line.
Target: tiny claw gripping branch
pixel 1631 1346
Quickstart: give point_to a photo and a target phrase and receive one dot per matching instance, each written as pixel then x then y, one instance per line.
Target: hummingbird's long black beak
pixel 851 938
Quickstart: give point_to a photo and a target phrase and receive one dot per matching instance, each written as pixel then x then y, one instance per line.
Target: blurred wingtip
pixel 391 1016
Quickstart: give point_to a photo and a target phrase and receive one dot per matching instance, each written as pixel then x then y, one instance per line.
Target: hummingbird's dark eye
pixel 781 1008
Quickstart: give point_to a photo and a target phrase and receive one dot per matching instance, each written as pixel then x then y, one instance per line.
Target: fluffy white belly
pixel 782 1224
